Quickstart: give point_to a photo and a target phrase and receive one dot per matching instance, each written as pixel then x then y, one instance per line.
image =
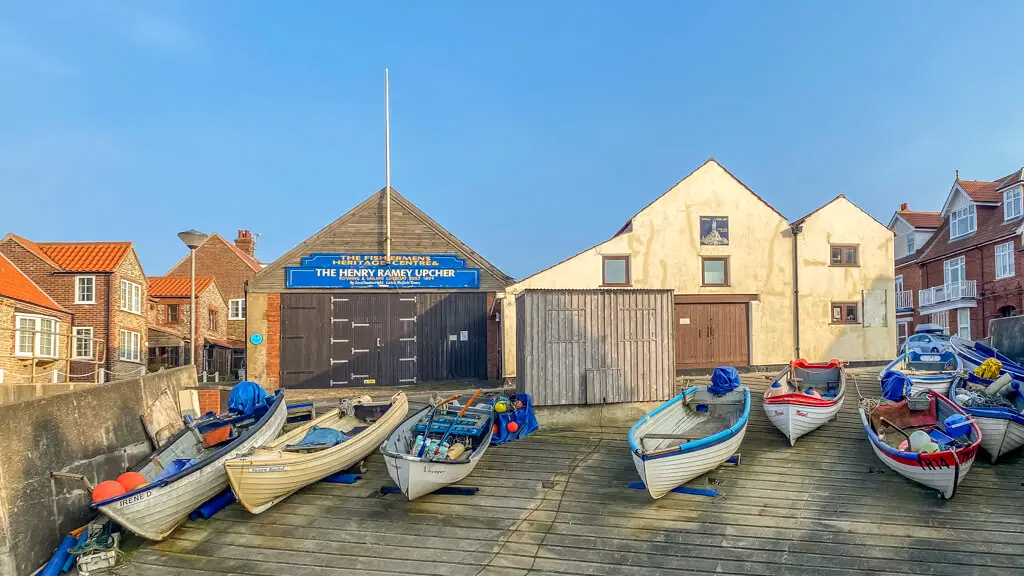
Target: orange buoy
pixel 512 427
pixel 496 430
pixel 131 480
pixel 107 489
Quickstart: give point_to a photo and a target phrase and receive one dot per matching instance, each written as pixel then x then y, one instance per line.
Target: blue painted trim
pixel 979 353
pixel 998 413
pixel 696 445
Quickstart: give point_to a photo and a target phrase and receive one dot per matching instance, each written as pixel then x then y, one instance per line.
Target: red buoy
pixel 512 427
pixel 495 429
pixel 107 489
pixel 131 480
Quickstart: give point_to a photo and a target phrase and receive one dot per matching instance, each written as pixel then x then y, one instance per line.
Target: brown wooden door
pixel 709 335
pixel 692 343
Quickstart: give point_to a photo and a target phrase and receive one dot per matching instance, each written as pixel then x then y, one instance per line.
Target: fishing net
pixel 978 399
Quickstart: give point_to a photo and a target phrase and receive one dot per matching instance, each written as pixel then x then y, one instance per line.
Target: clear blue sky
pixel 531 130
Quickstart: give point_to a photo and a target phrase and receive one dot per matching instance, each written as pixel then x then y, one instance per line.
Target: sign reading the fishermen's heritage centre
pixel 323 270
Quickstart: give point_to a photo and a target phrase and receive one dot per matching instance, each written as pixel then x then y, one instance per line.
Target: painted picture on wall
pixel 714 230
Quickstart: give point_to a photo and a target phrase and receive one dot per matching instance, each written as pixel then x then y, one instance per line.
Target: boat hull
pixel 155 513
pixel 796 420
pixel 662 475
pixel 263 479
pixel 941 479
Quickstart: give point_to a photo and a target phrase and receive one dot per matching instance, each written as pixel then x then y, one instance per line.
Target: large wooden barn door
pixel 305 340
pixel 709 335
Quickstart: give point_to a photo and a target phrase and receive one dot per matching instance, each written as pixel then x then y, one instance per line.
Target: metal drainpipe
pixel 797 229
pixel 110 312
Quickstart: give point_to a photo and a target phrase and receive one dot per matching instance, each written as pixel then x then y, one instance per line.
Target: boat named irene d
pixel 926 370
pixel 189 469
pixel 438 446
pixel 804 396
pixel 691 434
pixel 336 441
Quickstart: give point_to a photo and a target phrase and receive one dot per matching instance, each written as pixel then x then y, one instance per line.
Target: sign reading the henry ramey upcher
pixel 320 270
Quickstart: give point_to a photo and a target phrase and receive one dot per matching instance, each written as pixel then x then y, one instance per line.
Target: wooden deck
pixel 557 503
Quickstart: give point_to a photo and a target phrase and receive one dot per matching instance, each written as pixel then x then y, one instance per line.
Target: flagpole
pixel 387 168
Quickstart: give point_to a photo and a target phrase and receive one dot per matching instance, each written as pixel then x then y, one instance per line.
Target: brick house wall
pixel 273 342
pixel 20 370
pixel 206 300
pixel 911 273
pixel 130 270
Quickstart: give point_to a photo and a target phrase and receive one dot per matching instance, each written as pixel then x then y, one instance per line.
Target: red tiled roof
pixel 86 256
pixel 921 219
pixel 981 191
pixel 177 286
pixel 990 227
pixel 15 284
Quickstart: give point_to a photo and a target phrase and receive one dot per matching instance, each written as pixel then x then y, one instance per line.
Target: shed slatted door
pixel 692 348
pixel 709 335
pixel 403 337
pixel 305 352
pixel 368 338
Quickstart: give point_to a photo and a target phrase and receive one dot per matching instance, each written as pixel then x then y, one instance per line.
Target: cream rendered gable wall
pixel 842 222
pixel 664 249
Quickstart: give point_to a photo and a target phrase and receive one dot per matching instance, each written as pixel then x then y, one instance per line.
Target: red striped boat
pixel 804 396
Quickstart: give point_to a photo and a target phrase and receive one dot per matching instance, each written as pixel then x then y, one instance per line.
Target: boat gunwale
pixel 703 443
pixel 993 412
pixel 799 398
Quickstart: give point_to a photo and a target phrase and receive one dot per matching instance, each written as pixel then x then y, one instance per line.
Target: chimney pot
pixel 904 207
pixel 245 243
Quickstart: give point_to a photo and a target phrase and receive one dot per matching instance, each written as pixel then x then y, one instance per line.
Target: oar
pixel 898 429
pixel 430 421
pixel 461 412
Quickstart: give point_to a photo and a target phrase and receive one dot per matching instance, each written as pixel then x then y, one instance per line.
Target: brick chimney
pixel 903 208
pixel 245 242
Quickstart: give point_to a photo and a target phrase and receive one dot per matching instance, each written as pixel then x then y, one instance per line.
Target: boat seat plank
pixel 688 436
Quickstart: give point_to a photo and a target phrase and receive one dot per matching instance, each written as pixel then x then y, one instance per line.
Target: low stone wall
pixel 11 393
pixel 96 431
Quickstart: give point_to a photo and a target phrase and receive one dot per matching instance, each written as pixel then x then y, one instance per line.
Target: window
pixel 963 323
pixel 212 317
pixel 942 319
pixel 36 336
pixel 615 271
pixel 1011 203
pixel 83 342
pixel 954 271
pixel 131 297
pixel 236 309
pixel 128 345
pixel 172 313
pixel 844 256
pixel 910 243
pixel 715 271
pixel 85 289
pixel 899 283
pixel 1007 311
pixel 845 313
pixel 1004 260
pixel 962 222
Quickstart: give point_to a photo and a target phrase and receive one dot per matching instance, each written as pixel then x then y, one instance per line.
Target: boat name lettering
pixel 780 412
pixel 431 470
pixel 801 413
pixel 135 498
pixel 930 358
pixel 258 469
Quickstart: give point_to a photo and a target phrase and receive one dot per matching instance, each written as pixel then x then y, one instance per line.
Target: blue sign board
pixel 324 270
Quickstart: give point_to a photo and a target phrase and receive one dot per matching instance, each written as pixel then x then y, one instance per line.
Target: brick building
pixel 35 331
pixel 231 265
pixel 967 269
pixel 170 316
pixel 912 230
pixel 103 286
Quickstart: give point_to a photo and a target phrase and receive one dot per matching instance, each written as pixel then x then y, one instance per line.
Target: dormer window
pixel 962 222
pixel 910 243
pixel 1012 203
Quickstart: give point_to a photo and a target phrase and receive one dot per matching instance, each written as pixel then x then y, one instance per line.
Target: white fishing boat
pixel 889 428
pixel 804 396
pixel 689 435
pixel 1001 421
pixel 278 469
pixel 927 370
pixel 419 472
pixel 183 473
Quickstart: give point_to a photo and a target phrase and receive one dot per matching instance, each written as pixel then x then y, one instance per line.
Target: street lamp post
pixel 192 238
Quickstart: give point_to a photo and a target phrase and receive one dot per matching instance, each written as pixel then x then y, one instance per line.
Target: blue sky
pixel 531 130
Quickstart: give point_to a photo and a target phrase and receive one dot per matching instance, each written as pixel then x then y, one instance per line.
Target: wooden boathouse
pixel 335 312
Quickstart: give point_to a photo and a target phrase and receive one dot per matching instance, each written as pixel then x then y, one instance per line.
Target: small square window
pixel 845 313
pixel 844 256
pixel 615 271
pixel 715 271
pixel 172 313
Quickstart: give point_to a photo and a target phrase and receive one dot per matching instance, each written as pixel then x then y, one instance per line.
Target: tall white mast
pixel 387 168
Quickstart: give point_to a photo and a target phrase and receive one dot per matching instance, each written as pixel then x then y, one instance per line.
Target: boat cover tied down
pixel 895 385
pixel 724 380
pixel 247 396
pixel 523 417
pixel 318 436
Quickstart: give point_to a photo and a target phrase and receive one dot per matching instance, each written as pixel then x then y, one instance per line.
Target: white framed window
pixel 910 243
pixel 128 345
pixel 899 283
pixel 942 319
pixel 1004 260
pixel 962 222
pixel 1012 203
pixel 131 297
pixel 236 309
pixel 85 289
pixel 83 342
pixel 963 323
pixel 36 335
pixel 954 271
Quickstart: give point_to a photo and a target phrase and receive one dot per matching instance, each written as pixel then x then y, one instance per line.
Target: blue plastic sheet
pixel 245 397
pixel 524 417
pixel 174 467
pixel 207 509
pixel 318 436
pixel 725 379
pixel 895 385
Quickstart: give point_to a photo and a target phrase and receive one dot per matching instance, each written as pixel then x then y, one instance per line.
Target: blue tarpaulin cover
pixel 725 379
pixel 524 417
pixel 895 385
pixel 245 397
pixel 318 436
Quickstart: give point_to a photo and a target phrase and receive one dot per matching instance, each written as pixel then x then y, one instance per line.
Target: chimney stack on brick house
pixel 246 243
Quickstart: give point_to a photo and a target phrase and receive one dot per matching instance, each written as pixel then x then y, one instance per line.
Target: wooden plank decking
pixel 557 503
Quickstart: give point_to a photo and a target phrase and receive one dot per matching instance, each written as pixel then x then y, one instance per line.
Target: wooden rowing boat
pixel 1002 427
pixel 687 436
pixel 804 396
pixel 927 370
pixel 280 468
pixel 154 510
